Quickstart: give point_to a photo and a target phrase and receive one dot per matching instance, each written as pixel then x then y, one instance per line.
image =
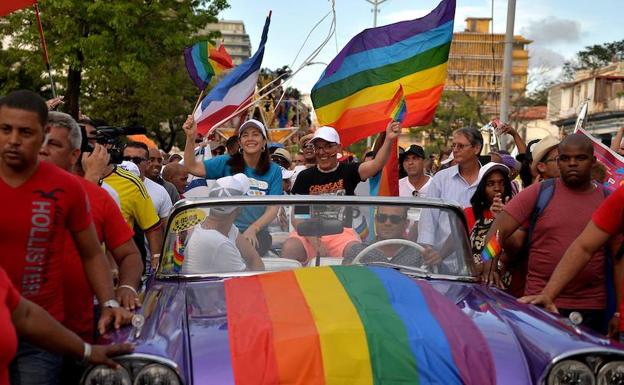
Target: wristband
pixel 129 288
pixel 86 355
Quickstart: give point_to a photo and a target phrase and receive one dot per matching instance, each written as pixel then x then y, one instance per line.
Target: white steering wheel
pixel 403 242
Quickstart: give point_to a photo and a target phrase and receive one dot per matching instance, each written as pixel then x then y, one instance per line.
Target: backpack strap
pixel 546 191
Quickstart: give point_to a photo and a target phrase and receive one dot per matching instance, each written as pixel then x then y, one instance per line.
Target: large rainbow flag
pixel 354 91
pixel 203 61
pixel 350 325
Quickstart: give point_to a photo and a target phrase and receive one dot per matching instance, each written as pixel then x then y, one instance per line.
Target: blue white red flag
pixel 236 89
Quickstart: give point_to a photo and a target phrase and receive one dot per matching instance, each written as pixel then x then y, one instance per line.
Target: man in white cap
pixel 217 246
pixel 545 153
pixel 331 177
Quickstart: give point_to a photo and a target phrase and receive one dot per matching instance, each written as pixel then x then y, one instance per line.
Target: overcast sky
pixel 559 28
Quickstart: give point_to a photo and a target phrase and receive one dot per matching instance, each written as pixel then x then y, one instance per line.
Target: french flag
pixel 236 89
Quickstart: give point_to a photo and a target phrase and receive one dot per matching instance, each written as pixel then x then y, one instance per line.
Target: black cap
pixel 415 150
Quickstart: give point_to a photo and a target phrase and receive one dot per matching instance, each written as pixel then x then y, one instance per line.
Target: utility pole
pixel 375 4
pixel 507 66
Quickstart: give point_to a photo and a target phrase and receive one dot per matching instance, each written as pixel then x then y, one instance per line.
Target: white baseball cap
pixel 229 186
pixel 253 123
pixel 326 133
pixel 130 167
pixel 287 174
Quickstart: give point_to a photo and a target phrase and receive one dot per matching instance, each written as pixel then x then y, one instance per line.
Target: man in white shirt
pixel 217 246
pixel 416 182
pixel 138 153
pixel 456 184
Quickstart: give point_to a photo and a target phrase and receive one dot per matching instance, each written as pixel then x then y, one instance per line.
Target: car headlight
pixel 570 372
pixel 156 374
pixel 103 375
pixel 611 374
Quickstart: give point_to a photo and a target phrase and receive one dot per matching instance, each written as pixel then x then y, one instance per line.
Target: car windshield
pixel 213 239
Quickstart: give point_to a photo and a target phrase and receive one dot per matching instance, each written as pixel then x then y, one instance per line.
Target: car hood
pixel 523 339
pixel 519 335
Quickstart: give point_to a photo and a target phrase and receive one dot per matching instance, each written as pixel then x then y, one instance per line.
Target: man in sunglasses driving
pixel 390 223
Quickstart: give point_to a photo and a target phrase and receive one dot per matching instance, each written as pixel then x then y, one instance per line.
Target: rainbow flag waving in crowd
pixel 492 249
pixel 397 108
pixel 369 325
pixel 356 88
pixel 203 61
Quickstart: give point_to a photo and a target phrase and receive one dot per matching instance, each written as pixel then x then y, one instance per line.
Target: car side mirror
pixel 318 227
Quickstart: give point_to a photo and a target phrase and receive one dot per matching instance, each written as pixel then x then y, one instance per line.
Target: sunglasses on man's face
pixel 134 159
pixel 394 219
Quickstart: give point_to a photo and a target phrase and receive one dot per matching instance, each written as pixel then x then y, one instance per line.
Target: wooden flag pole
pixel 44 47
pixel 199 98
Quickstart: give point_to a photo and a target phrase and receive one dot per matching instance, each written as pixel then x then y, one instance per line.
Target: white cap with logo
pixel 326 133
pixel 253 123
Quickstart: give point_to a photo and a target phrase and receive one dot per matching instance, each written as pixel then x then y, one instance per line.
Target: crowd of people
pixel 65 203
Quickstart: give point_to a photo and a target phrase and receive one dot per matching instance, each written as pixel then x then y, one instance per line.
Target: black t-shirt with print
pixel 341 181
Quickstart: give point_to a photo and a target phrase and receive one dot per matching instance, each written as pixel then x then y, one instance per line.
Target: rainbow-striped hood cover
pixel 350 325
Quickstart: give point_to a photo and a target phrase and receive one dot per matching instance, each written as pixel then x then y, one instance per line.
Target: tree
pixel 118 60
pixel 593 57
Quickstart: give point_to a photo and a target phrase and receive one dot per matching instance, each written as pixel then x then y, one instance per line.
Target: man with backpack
pixel 567 204
pixel 605 228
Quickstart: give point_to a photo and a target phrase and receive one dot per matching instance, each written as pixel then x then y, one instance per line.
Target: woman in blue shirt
pixel 254 160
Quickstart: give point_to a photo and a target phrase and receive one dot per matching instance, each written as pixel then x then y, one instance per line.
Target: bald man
pixel 154 167
pixel 573 202
pixel 177 175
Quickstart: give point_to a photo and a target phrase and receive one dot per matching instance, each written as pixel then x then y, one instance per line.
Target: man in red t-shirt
pixel 573 202
pixel 43 202
pixel 606 225
pixel 62 149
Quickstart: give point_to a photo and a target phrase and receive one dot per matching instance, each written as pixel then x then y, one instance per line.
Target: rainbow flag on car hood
pixel 356 88
pixel 350 325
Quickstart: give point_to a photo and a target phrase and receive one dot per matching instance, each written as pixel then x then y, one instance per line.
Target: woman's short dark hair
pixel 28 101
pixel 237 162
pixel 472 134
pixel 479 200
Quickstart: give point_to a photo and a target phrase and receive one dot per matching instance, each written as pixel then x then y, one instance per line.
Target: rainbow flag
pixel 178 254
pixel 350 324
pixel 397 107
pixel 203 61
pixel 355 89
pixel 386 183
pixel 492 249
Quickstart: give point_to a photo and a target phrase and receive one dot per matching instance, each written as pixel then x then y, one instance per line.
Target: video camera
pixel 109 137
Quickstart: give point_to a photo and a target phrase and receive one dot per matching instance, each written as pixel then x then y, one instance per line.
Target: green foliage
pixel 593 57
pixel 118 60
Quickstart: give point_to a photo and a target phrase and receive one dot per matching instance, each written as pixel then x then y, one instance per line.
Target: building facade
pixel 603 88
pixel 234 37
pixel 475 64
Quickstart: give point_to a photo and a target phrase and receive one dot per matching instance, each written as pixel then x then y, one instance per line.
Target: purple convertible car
pixel 374 291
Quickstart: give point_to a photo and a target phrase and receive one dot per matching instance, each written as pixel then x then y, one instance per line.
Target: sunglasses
pixel 134 159
pixel 394 219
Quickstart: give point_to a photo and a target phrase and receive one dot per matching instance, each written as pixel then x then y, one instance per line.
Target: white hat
pixel 449 159
pixel 542 148
pixel 229 186
pixel 131 167
pixel 490 167
pixel 326 133
pixel 287 174
pixel 253 123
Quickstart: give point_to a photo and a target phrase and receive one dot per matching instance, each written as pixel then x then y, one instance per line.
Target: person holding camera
pixel 44 203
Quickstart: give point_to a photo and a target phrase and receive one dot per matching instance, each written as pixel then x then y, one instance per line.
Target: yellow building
pixel 476 63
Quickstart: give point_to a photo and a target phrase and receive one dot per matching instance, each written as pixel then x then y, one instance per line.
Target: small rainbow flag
pixel 178 254
pixel 386 183
pixel 492 249
pixel 203 61
pixel 397 108
pixel 350 324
